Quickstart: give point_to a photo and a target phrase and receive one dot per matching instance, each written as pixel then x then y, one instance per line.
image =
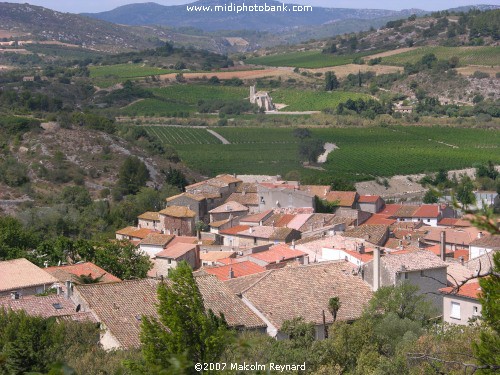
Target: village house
pixel 245 236
pixel 283 294
pixel 228 210
pixel 130 300
pixel 356 251
pixel 370 203
pixel 133 234
pixel 278 256
pixel 222 185
pixel 376 234
pixel 178 220
pixel 72 272
pixel 461 306
pixel 20 277
pixel 483 244
pixel 211 258
pixel 256 219
pixel 347 199
pixel 170 257
pixel 154 243
pixel 217 226
pixel 456 238
pixel 149 220
pixel 420 268
pixel 283 196
pixel 199 203
pixel 246 194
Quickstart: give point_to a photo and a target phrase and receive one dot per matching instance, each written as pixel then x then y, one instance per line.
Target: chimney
pixel 480 235
pixel 306 260
pixel 376 268
pixel 231 273
pixel 293 244
pixel 442 246
pixel 461 259
pixel 250 230
pixel 69 289
pixel 14 295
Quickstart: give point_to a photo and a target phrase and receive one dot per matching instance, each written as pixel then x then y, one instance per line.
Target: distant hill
pixel 46 24
pixel 179 16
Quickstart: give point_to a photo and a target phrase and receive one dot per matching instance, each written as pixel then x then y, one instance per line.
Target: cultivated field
pixel 306 59
pixel 241 74
pixel 108 75
pixel 302 100
pixel 174 135
pixel 467 55
pixel 363 153
pixel 469 70
pixel 344 70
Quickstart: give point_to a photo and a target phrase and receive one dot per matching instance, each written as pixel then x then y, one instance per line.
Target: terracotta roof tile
pixel 21 273
pixel 247 187
pixel 406 211
pixel 212 256
pixel 71 272
pixel 178 211
pixel 229 207
pixel 155 216
pixel 157 239
pixel 46 307
pixel 469 290
pixel 379 219
pixel 285 293
pixel 234 230
pixel 239 269
pixel 368 198
pixel 462 236
pixel 256 218
pixel 278 253
pixel 251 199
pixel 489 242
pixel 344 198
pixel 176 251
pixel 196 197
pixel 427 210
pixel 372 233
pixel 390 209
pixel 318 190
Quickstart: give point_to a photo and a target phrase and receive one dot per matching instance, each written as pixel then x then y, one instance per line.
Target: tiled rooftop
pixel 71 272
pixel 239 269
pixel 21 273
pixel 178 211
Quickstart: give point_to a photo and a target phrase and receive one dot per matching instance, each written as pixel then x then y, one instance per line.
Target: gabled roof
pixel 157 239
pixel 318 190
pixel 483 263
pixel 251 199
pixel 196 197
pixel 21 273
pixel 406 211
pixel 46 307
pixel 178 211
pixel 427 210
pixel 212 256
pixel 127 231
pixel 278 253
pixel 469 290
pixel 372 233
pixel 134 232
pixel 239 269
pixel 256 218
pixel 234 230
pixel 279 219
pixel 176 251
pixel 230 206
pixel 71 272
pixel 379 219
pixel 488 242
pixel 410 261
pixel 155 216
pixel 462 236
pixel 390 209
pixel 219 181
pixel 368 198
pixel 217 224
pixel 267 232
pixel 247 187
pixel 286 293
pixel 344 198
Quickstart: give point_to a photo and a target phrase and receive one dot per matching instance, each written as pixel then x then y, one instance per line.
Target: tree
pixel 175 177
pixel 310 149
pixel 331 81
pixel 132 175
pixel 334 306
pixel 88 279
pixel 464 192
pixel 487 349
pixel 431 197
pixel 185 329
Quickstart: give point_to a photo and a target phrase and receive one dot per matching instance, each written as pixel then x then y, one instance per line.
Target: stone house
pixel 283 197
pixel 462 305
pixel 178 220
pixel 223 185
pixel 228 210
pixel 170 257
pixel 483 244
pixel 149 220
pixel 370 203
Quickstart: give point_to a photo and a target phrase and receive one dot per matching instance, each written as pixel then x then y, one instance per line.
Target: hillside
pixel 40 23
pixel 179 16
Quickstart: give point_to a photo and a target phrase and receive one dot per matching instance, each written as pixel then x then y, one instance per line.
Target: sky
pixel 92 6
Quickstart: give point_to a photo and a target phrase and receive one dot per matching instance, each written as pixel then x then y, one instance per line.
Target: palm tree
pixel 334 306
pixel 88 279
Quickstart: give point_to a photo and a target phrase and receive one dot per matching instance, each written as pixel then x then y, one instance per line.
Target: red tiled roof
pixel 365 257
pixel 176 251
pixel 390 209
pixel 234 230
pixel 427 210
pixel 271 185
pixel 256 217
pixel 379 219
pixel 278 253
pixel 436 249
pixel 461 253
pixel 470 290
pixel 368 198
pixel 239 269
pixel 447 221
pixel 178 211
pixel 21 273
pixel 63 273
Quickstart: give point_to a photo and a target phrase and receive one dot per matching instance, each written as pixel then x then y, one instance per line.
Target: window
pixel 422 273
pixel 475 310
pixel 455 310
pixel 406 275
pixel 255 240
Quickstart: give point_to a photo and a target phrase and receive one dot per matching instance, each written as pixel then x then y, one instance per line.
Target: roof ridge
pixel 268 272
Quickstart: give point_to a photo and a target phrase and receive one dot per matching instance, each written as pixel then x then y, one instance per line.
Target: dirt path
pixel 389 53
pixel 329 147
pixel 220 137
